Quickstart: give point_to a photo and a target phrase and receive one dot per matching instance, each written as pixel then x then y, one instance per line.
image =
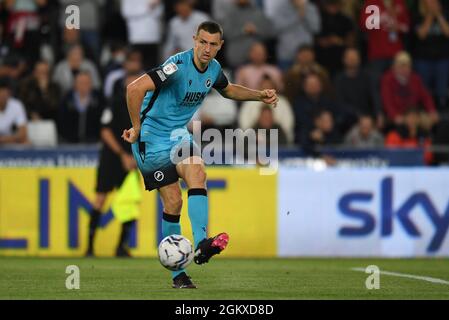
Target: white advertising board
pixel 363 212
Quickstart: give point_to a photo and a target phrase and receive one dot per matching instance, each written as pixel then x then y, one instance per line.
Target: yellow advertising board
pixel 45 212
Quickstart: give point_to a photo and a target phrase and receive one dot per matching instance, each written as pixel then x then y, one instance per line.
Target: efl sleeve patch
pixel 170 68
pixel 160 75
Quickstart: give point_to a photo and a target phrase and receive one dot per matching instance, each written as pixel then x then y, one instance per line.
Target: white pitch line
pixel 404 275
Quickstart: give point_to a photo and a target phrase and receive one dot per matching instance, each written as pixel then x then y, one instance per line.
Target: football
pixel 175 252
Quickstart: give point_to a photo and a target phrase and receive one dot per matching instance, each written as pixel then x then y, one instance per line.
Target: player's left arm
pixel 241 93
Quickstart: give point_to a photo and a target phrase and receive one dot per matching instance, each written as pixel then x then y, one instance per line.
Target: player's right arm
pixel 135 93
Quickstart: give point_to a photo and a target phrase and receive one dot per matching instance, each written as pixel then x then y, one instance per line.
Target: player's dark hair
pixel 211 27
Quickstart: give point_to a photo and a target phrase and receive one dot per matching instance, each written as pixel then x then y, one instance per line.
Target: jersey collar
pixel 193 62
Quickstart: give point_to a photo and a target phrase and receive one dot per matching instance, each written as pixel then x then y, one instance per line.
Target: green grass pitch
pixel 39 278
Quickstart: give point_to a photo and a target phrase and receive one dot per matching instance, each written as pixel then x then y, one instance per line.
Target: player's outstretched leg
pixel 198 213
pixel 198 207
pixel 193 172
pixel 172 201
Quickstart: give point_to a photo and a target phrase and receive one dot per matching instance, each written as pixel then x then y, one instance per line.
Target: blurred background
pixel 363 122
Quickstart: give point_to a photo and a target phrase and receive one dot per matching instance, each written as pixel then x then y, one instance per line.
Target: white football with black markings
pixel 175 252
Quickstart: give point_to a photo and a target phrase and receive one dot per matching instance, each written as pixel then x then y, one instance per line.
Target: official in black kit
pixel 116 160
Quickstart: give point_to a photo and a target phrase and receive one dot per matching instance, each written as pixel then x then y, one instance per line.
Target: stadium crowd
pixel 340 82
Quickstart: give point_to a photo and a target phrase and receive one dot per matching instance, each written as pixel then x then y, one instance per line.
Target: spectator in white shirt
pixel 283 113
pixel 144 21
pixel 182 27
pixel 13 119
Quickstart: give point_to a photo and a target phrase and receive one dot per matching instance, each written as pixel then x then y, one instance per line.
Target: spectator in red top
pixel 386 42
pixel 403 89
